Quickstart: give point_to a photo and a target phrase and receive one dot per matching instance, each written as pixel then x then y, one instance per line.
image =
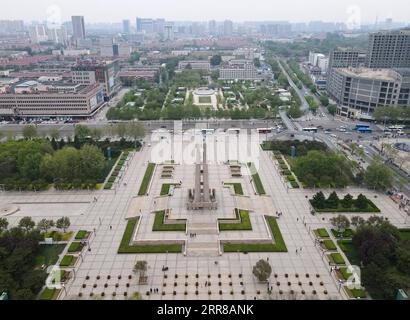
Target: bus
pixel 396 128
pixel 233 130
pixel 312 129
pixel 363 128
pixel 264 130
pixel 207 131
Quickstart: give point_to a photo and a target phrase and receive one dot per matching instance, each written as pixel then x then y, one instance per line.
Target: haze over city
pixel 197 151
pixel 237 10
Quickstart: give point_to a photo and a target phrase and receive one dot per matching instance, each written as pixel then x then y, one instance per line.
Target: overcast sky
pixel 200 10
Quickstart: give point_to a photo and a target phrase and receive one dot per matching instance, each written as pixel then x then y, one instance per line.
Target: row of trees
pixel 319 201
pixel 392 114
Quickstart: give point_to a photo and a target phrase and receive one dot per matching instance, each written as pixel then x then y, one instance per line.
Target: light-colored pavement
pixel 108 217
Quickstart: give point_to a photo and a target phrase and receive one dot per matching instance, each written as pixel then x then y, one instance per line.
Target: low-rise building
pixel 203 65
pixel 32 99
pixel 239 70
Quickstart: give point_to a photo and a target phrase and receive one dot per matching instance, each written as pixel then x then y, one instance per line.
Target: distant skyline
pixel 94 11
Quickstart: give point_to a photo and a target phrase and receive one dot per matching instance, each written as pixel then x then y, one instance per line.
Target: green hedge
pixel 257 180
pixel 160 226
pixel 49 294
pixel 337 258
pixel 322 233
pixel 146 180
pixel 356 293
pixel 68 261
pixel 279 245
pixel 244 225
pixel 75 247
pixel 295 185
pixel 81 235
pixel 237 188
pixel 329 245
pixel 126 248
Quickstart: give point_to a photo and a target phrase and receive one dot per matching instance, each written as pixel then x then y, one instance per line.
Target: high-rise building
pixel 169 31
pixel 389 49
pixel 145 25
pixel 346 57
pixel 228 28
pixel 78 27
pixel 11 26
pixel 212 27
pixel 126 26
pixel 38 33
pixel 58 35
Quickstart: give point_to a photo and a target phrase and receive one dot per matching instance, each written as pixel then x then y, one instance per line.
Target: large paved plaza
pixel 301 273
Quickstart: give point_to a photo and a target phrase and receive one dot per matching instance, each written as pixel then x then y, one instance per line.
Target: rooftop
pixel 367 73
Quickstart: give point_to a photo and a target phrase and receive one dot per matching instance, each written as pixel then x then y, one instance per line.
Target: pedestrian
pixel 110 227
pixel 296 251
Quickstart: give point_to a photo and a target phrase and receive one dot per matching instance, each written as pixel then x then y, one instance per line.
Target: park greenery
pixel 301 49
pixel 392 114
pixel 244 223
pixel 147 179
pixel 37 163
pixel 305 79
pixel 21 257
pixel 347 204
pixel 127 248
pixel 320 169
pixel 302 147
pixel 278 244
pixel 159 223
pixel 385 257
pixel 378 176
pixel 256 179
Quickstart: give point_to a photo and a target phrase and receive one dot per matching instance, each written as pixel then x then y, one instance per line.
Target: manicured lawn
pixel 237 188
pixel 147 179
pixel 244 225
pixel 350 251
pixel 205 99
pixel 346 274
pixel 48 254
pixel 257 180
pixel 348 233
pixel 49 294
pixel 329 245
pixel 278 246
pixel 356 293
pixel 126 248
pixel 166 187
pixel 322 233
pixel 160 226
pixel 68 261
pixel 337 258
pixel 405 234
pixel 75 247
pixel 81 235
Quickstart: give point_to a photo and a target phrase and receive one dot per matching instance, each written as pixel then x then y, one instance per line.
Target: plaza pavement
pixel 108 217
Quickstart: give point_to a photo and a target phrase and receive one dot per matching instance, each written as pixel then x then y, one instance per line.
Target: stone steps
pixel 203 249
pixel 203 228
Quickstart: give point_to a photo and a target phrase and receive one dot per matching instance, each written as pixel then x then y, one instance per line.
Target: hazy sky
pixel 237 10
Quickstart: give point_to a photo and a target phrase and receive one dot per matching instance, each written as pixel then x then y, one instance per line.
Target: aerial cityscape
pixel 176 159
